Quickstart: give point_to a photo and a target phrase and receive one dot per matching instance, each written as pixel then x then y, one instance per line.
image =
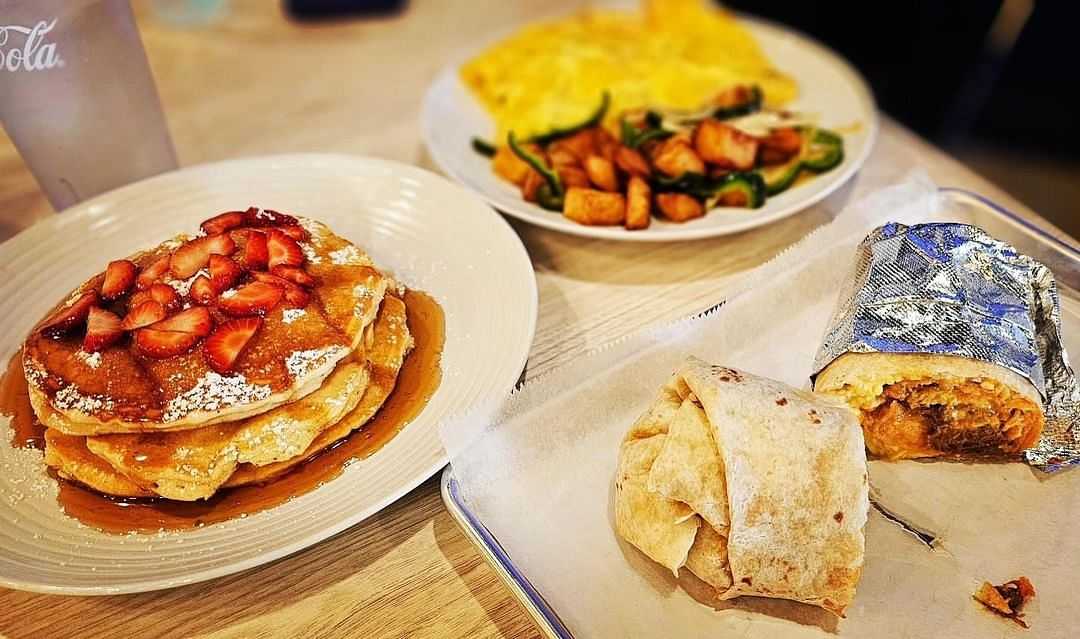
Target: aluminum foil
pixel 953 289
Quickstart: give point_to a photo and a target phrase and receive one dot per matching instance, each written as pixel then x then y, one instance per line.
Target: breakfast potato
pixel 724 145
pixel 509 166
pixel 601 173
pixel 606 144
pixel 638 204
pixel 679 207
pixel 560 157
pixel 573 176
pixel 631 162
pixel 594 208
pixel 530 185
pixel 676 157
pixel 779 146
pixel 582 144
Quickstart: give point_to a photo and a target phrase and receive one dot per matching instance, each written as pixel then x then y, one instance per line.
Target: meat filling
pixel 925 418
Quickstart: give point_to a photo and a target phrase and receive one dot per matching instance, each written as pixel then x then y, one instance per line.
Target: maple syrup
pixel 417 381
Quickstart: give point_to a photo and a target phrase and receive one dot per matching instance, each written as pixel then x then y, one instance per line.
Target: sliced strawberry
pixel 137 298
pixel 165 295
pixel 256 253
pixel 119 276
pixel 295 231
pixel 152 273
pixel 195 320
pixel 223 347
pixel 221 244
pixel 294 296
pixel 222 222
pixel 145 314
pixel 192 256
pixel 202 290
pixel 294 274
pixel 266 217
pixel 189 258
pixel 255 298
pixel 163 344
pixel 102 329
pixel 283 249
pixel 224 272
pixel 71 316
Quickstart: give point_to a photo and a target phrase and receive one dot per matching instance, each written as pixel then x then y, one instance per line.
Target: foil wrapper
pixel 953 289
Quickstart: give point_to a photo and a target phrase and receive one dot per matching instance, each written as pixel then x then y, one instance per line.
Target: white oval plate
pixel 432 234
pixel 828 86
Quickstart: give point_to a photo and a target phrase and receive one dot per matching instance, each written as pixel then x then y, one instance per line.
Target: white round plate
pixel 828 86
pixel 430 233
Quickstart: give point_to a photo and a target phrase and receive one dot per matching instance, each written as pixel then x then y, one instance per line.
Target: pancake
pixel 392 343
pixel 121 390
pixel 193 464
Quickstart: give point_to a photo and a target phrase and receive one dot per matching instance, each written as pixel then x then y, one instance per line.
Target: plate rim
pixel 527 212
pixel 337 527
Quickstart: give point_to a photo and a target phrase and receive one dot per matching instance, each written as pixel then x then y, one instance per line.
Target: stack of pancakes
pixel 131 420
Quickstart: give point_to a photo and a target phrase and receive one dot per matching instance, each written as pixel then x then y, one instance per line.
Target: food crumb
pixel 1008 599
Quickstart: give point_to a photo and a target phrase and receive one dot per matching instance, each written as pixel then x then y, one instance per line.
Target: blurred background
pixel 990 81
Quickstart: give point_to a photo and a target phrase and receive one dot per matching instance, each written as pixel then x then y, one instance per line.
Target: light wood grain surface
pixel 257 83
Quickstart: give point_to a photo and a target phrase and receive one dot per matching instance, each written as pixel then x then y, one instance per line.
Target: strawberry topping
pixel 223 347
pixel 266 217
pixel 144 314
pixel 222 222
pixel 71 316
pixel 294 296
pixel 256 298
pixel 295 231
pixel 202 290
pixel 192 256
pixel 283 249
pixel 224 272
pixel 256 252
pixel 195 320
pixel 119 276
pixel 152 273
pixel 163 344
pixel 294 274
pixel 102 329
pixel 165 295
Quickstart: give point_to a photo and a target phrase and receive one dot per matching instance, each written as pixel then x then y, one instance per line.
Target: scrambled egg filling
pixel 924 418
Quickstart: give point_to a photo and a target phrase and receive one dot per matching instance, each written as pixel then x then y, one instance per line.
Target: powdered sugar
pixel 290 315
pixel 214 392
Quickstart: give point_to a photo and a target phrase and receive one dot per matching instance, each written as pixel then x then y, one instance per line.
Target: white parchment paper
pixel 538 472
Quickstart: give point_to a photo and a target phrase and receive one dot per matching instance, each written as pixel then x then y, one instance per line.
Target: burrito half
pixel 755 487
pixel 927 405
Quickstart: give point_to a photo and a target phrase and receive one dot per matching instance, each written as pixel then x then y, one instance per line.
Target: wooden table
pixel 256 83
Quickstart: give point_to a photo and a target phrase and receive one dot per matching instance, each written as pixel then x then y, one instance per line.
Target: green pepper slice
pixel 483 147
pixel 824 151
pixel 634 137
pixel 750 184
pixel 564 132
pixel 550 194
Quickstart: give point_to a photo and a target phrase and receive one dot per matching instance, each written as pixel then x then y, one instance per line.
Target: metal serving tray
pixel 1062 257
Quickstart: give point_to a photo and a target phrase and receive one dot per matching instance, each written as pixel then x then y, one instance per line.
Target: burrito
pixel 753 486
pixel 926 405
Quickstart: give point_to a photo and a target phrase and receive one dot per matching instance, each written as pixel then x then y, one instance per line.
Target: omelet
pixel 671 54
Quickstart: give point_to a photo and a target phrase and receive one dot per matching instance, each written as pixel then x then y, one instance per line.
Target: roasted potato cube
pixel 606 144
pixel 594 208
pixel 509 166
pixel 679 207
pixel 632 162
pixel 779 146
pixel 676 157
pixel 601 173
pixel 560 157
pixel 638 203
pixel 582 144
pixel 532 182
pixel 573 176
pixel 724 145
